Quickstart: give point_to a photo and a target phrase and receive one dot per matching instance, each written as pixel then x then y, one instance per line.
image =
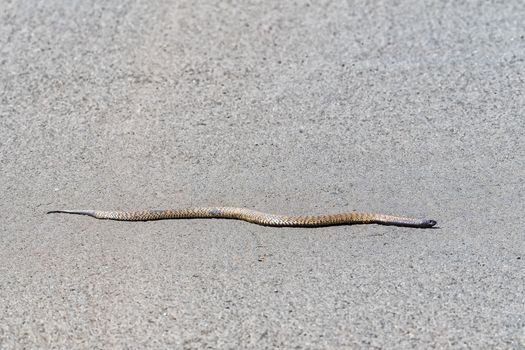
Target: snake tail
pixel 91 213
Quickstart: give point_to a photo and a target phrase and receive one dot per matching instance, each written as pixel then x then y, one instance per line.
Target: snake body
pixel 255 217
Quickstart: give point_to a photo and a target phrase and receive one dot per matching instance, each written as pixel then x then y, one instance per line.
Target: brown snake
pixel 255 217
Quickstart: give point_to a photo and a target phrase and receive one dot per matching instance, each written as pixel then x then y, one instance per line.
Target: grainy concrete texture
pixel 401 107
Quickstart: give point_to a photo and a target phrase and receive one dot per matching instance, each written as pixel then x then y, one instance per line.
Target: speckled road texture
pixel 408 108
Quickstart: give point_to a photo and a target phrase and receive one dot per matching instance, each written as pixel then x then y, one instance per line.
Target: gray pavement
pixel 407 107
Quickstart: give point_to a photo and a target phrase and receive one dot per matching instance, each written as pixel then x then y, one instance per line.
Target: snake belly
pixel 256 217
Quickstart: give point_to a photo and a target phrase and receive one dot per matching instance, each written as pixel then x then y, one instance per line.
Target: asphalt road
pixel 401 107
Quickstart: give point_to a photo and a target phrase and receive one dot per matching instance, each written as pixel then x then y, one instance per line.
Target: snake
pixel 256 217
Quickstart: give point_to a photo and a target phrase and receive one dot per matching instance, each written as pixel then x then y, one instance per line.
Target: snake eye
pixel 431 223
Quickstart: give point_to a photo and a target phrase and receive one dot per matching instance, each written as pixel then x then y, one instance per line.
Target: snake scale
pixel 255 217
